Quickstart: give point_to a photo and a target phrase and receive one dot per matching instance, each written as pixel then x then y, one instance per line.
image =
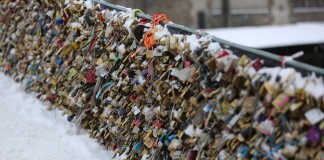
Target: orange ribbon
pixel 149 40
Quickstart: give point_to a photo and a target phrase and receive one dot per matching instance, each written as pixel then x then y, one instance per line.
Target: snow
pixel 193 41
pixel 315 87
pixel 162 32
pixel 88 4
pixel 214 47
pixel 273 36
pixel 312 85
pixel 29 131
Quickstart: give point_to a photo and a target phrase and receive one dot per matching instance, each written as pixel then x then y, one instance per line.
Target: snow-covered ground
pixel 28 131
pixel 273 36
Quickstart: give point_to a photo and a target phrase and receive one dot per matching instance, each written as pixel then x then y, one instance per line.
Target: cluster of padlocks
pixel 144 92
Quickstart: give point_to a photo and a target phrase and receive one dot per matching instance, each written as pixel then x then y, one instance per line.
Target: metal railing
pixel 268 57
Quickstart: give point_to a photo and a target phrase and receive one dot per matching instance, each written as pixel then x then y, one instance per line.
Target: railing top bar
pixel 306 68
pixel 303 67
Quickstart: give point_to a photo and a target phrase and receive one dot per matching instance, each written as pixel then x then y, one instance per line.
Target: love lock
pixel 181 97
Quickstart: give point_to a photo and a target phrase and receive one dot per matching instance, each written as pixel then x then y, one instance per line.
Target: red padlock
pixel 158 124
pixel 224 53
pixel 257 64
pixel 90 75
pixel 133 97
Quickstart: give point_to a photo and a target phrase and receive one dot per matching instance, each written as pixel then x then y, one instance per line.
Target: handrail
pixel 302 67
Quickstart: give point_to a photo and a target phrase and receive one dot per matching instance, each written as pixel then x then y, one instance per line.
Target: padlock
pixel 193 91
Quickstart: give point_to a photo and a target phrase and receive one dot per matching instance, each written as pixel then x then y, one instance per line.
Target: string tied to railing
pixel 285 59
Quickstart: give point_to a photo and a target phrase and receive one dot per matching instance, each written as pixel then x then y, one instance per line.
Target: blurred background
pixel 280 26
pixel 231 13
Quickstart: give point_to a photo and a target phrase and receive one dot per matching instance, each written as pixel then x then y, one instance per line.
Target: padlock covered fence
pixel 147 88
pixel 269 58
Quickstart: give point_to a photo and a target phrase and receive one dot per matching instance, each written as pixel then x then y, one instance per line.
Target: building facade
pixel 231 13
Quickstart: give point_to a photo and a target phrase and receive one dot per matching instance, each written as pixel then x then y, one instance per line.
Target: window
pixel 308 3
pixel 246 7
pixel 242 7
pixel 308 6
pixel 201 20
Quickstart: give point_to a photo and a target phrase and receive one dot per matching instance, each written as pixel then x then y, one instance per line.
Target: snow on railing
pixel 267 56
